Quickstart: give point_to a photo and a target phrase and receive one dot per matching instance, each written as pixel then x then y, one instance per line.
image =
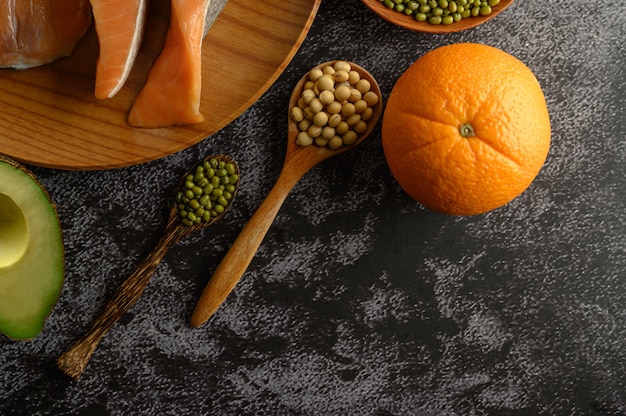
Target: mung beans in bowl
pixel 437 16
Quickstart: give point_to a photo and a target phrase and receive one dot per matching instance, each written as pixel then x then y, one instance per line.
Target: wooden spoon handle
pixel 243 249
pixel 75 359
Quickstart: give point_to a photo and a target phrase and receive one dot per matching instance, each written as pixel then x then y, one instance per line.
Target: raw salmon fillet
pixel 171 94
pixel 35 32
pixel 119 26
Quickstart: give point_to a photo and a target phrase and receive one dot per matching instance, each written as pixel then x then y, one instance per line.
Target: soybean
pixel 335 101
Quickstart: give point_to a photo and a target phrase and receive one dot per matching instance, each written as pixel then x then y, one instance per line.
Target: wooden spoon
pixel 298 161
pixel 74 360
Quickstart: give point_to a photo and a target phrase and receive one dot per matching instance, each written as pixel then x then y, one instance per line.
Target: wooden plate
pixel 408 22
pixel 50 117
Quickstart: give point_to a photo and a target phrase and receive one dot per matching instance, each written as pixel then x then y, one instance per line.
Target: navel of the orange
pixel 466 129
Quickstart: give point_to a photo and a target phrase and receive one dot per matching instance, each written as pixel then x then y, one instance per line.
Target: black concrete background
pixel 360 301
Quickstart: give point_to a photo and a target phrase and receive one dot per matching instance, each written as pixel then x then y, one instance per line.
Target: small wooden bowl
pixel 409 22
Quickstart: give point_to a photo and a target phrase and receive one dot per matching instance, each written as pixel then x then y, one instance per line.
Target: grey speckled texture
pixel 360 301
pixel 215 7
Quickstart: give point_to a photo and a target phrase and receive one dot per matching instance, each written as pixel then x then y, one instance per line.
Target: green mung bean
pixel 437 12
pixel 207 192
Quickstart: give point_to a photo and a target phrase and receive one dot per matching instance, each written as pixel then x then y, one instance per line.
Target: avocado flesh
pixel 13 232
pixel 32 259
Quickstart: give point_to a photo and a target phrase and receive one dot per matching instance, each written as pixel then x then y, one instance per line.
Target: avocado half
pixel 32 263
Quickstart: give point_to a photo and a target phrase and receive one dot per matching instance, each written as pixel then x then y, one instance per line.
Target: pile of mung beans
pixel 207 191
pixel 335 106
pixel 441 12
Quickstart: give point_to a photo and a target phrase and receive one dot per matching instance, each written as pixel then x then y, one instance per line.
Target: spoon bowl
pixel 409 22
pixel 74 361
pixel 323 153
pixel 298 161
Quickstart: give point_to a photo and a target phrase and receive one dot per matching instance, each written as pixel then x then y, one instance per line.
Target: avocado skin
pixel 44 290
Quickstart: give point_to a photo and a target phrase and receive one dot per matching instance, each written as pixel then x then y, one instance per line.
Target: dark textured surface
pixel 359 301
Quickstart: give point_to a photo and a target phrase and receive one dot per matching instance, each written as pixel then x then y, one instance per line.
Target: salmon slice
pixel 171 94
pixel 119 26
pixel 35 32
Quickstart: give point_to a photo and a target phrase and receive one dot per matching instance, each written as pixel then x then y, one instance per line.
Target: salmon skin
pixel 36 32
pixel 120 27
pixel 171 94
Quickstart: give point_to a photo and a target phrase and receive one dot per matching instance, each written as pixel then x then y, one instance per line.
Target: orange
pixel 466 129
